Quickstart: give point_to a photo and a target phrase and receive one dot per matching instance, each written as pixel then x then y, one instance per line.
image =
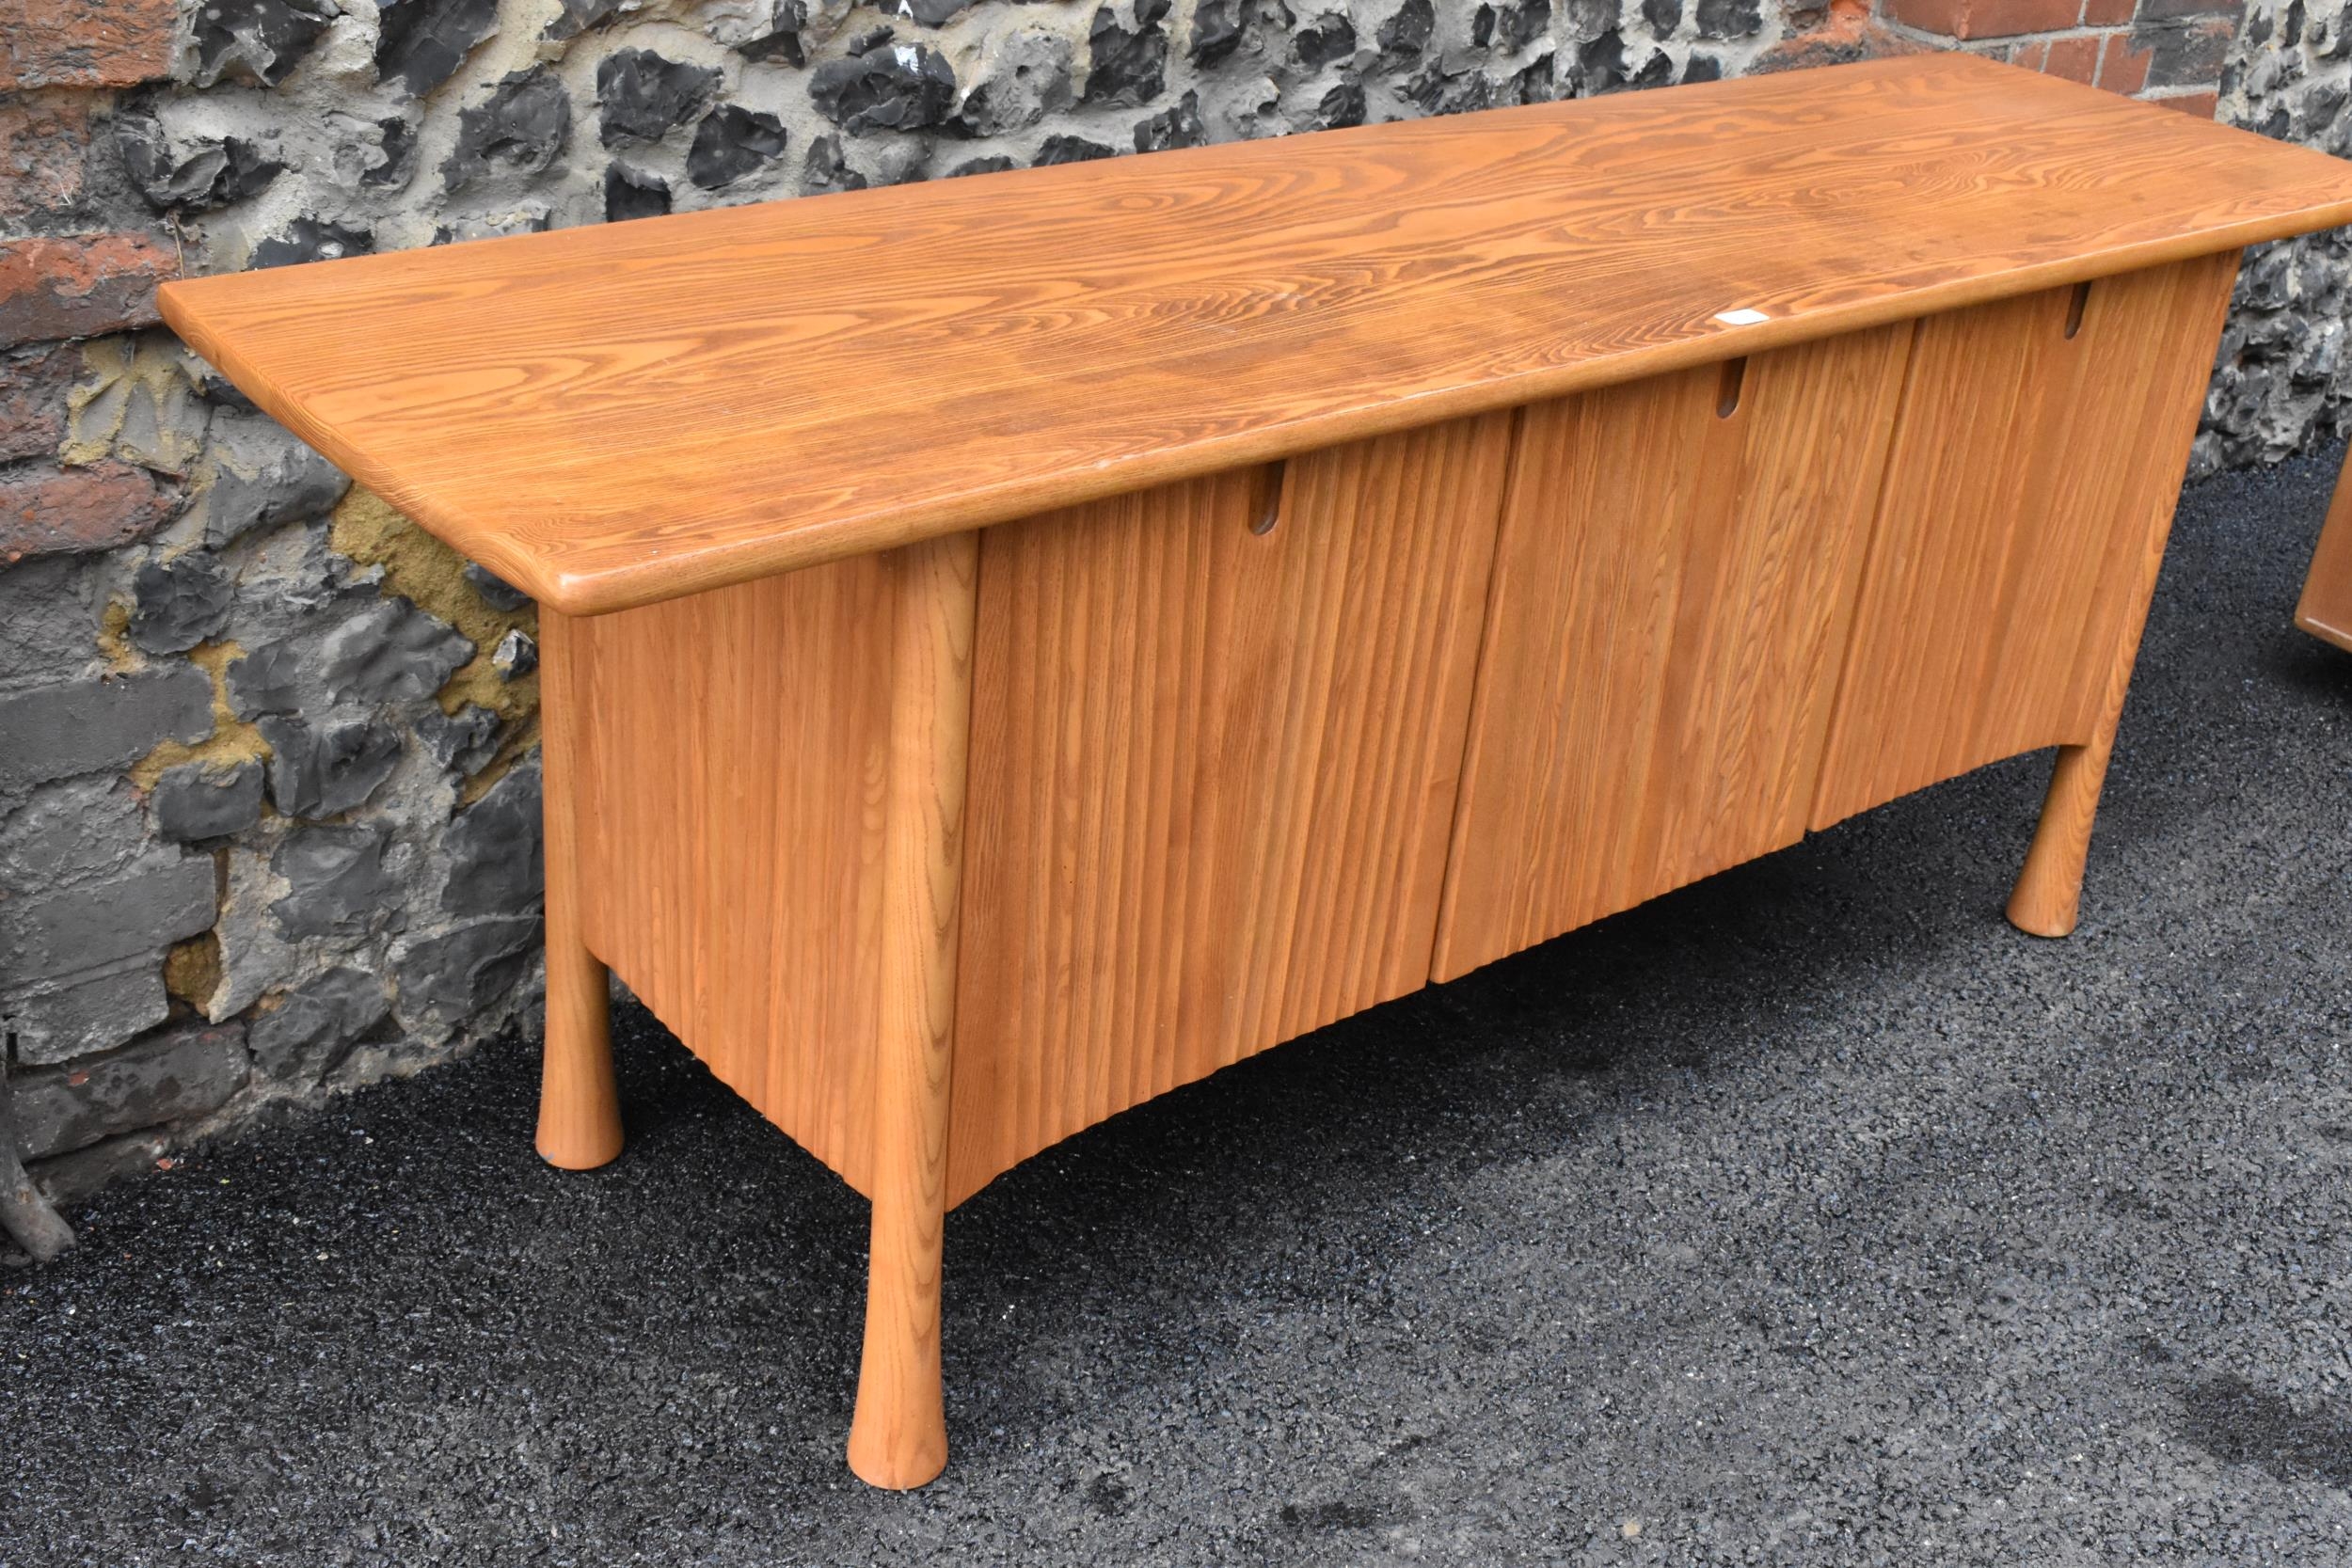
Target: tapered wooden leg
pixel 2049 889
pixel 898 1437
pixel 2325 608
pixel 2048 895
pixel 580 1109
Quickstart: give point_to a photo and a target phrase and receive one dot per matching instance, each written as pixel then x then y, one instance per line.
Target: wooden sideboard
pixel 1015 645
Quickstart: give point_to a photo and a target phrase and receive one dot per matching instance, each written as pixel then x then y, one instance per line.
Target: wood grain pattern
pixel 733 789
pixel 1212 773
pixel 617 414
pixel 2008 561
pixel 2325 608
pixel 580 1104
pixel 2048 893
pixel 898 1437
pixel 1672 592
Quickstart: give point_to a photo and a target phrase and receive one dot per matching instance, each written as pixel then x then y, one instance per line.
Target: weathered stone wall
pixel 267 782
pixel 2281 383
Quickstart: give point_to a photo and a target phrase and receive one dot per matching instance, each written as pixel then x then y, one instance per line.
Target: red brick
pixel 2106 13
pixel 1985 18
pixel 1930 16
pixel 50 511
pixel 76 288
pixel 44 140
pixel 2028 55
pixel 33 384
pixel 84 44
pixel 2201 105
pixel 2076 59
pixel 2122 66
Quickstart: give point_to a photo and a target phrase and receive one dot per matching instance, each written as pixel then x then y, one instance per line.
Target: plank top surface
pixel 613 415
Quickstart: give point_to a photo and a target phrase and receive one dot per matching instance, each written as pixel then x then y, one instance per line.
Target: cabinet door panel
pixel 2037 461
pixel 1213 770
pixel 1672 591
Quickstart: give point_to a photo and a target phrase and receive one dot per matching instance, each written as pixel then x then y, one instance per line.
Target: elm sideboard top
pixel 616 415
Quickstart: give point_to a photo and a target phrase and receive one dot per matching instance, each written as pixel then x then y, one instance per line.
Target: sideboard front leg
pixel 898 1437
pixel 579 1108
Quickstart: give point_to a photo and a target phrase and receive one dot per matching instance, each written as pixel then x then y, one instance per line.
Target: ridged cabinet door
pixel 2038 462
pixel 1673 587
pixel 1215 733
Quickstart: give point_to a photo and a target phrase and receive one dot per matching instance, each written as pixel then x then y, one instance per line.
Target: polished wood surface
pixel 733 755
pixel 2196 299
pixel 898 1437
pixel 2326 609
pixel 613 415
pixel 1672 594
pixel 579 1107
pixel 2047 899
pixel 1212 773
pixel 2028 472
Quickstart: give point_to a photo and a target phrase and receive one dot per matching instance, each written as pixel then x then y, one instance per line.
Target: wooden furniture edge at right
pixel 2325 610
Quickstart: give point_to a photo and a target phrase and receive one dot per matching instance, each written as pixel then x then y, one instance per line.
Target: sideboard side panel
pixel 732 773
pixel 1212 773
pixel 1672 593
pixel 2029 468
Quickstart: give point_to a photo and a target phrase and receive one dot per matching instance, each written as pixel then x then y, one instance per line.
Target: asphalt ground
pixel 1807 1215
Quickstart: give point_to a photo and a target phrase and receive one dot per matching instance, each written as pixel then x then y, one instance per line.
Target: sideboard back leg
pixel 2048 895
pixel 898 1437
pixel 2049 889
pixel 580 1109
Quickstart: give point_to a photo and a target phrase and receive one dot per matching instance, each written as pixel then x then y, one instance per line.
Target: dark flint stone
pixel 1344 105
pixel 327 768
pixel 1129 68
pixel 1217 31
pixel 1177 127
pixel 207 174
pixel 338 886
pixel 309 239
pixel 730 143
pixel 199 800
pixel 631 193
pixel 1407 33
pixel 1331 38
pixel 259 40
pixel 178 603
pixel 903 87
pixel 1071 149
pixel 420 43
pixel 640 95
pixel 522 125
